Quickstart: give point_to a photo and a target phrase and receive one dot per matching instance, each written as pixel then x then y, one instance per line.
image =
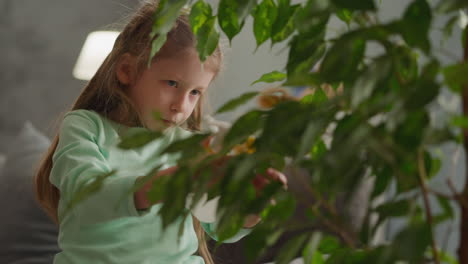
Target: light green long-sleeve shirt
pixel 101 229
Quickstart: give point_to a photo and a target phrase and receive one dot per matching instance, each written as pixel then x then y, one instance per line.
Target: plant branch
pixel 422 177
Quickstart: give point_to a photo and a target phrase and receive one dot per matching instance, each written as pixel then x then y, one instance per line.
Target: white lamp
pixel 97 46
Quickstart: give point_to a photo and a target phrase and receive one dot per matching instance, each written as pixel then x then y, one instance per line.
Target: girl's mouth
pixel 169 123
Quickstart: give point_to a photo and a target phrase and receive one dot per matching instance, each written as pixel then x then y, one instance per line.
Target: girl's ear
pixel 126 69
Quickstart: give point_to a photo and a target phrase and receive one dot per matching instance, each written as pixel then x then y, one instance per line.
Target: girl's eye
pixel 195 92
pixel 172 83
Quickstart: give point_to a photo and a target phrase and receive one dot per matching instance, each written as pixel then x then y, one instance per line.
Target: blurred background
pixel 40 42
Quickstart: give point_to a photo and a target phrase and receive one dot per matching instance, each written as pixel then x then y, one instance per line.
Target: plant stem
pixel 463 249
pixel 422 182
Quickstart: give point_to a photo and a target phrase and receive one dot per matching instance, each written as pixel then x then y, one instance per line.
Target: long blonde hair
pixel 105 95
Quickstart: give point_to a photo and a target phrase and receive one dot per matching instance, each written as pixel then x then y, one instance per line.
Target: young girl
pixel 121 97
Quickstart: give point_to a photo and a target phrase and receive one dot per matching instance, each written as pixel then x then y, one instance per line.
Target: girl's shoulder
pixel 82 120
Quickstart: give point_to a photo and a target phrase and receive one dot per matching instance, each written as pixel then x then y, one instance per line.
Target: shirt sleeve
pixel 210 229
pixel 77 160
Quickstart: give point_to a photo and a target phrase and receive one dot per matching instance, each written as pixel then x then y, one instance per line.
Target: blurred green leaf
pixel 274 76
pixel 310 253
pixel 409 133
pixel 264 16
pixel 329 244
pixel 411 242
pixel 432 165
pixel 234 103
pixel 456 76
pixel 345 15
pixel 138 139
pixel 460 121
pixel 342 60
pixel 415 25
pixel 260 239
pixel 393 209
pixel 306 50
pixel 367 81
pixel 291 249
pixel 187 147
pixel 448 28
pixel 244 126
pixel 383 179
pixel 355 5
pixel 447 6
pixel 447 210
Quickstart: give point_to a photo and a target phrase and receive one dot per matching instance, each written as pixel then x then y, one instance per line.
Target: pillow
pixel 2 163
pixel 28 235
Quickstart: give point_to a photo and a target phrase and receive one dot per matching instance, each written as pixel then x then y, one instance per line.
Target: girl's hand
pixel 259 183
pixel 261 180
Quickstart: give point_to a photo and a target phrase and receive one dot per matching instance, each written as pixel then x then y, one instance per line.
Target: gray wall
pixel 40 42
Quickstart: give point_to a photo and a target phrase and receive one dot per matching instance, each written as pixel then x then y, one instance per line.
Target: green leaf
pixel 456 76
pixel 364 86
pixel 290 250
pixel 189 147
pixel 447 210
pixel 460 121
pixel 234 103
pixel 383 179
pixel 345 15
pixel 409 134
pixel 342 60
pixel 411 243
pixel 432 165
pixel 415 25
pixel 274 76
pixel 139 139
pixel 310 253
pixel 318 150
pixel 166 15
pixel 199 14
pixel 355 5
pixel 317 97
pixel 313 16
pixel 156 45
pixel 245 126
pixel 173 205
pixel 393 209
pixel 305 51
pixel 231 15
pixel 260 239
pixel 448 28
pixel 207 38
pixel 310 136
pixel 264 16
pixel 164 19
pixel 203 26
pixel 284 23
pixel 329 244
pixel 447 6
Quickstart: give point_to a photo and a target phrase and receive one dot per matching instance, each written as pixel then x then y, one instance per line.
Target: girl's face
pixel 172 87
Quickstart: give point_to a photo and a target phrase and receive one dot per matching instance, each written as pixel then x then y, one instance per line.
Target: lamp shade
pixel 97 46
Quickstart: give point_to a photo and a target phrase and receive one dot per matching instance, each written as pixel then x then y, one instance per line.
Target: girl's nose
pixel 178 104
